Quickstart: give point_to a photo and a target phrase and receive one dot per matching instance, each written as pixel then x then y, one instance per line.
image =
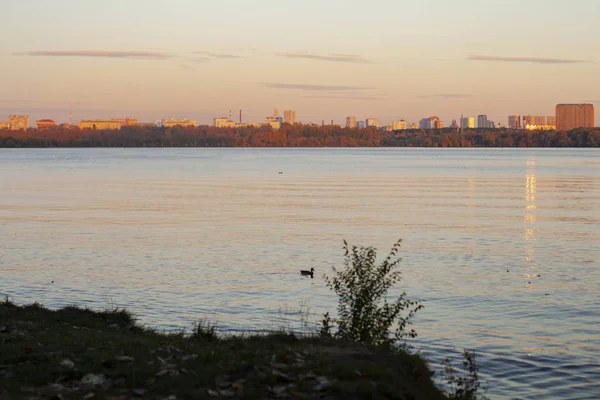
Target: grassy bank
pixel 81 354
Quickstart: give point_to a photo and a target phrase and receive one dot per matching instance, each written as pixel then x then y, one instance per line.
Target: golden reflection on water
pixel 530 217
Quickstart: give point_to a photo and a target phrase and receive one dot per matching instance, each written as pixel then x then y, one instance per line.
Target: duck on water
pixel 307 273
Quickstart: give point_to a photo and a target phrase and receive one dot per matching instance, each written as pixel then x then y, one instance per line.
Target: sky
pixel 326 59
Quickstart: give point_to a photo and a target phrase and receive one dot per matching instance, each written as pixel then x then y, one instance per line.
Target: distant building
pixel 18 122
pixel 571 116
pixel 454 124
pixel 430 123
pixel 360 124
pixel 399 125
pixel 414 125
pixel 544 127
pixel 436 123
pixel 172 122
pixel 126 121
pixel 500 126
pixel 489 124
pixel 100 125
pixel 4 125
pixel 372 122
pixel 533 120
pixel 158 123
pixel 514 121
pixel 467 122
pixel 350 122
pixel 482 121
pixel 388 128
pixel 275 122
pixel 223 122
pixel 551 120
pixel 45 124
pixel 289 116
pixel 247 125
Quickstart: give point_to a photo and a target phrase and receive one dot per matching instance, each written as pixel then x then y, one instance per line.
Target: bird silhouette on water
pixel 310 273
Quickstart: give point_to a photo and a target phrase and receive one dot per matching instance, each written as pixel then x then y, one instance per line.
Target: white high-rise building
pixel 482 121
pixel 467 123
pixel 514 121
pixel 350 122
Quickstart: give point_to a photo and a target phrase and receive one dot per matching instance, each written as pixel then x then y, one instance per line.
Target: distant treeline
pixel 296 136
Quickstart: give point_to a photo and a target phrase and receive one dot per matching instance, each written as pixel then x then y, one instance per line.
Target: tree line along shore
pixel 296 136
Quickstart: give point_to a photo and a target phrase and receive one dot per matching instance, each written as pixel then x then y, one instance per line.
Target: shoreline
pixel 80 353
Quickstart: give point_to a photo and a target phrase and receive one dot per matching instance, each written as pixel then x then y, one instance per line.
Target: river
pixel 501 245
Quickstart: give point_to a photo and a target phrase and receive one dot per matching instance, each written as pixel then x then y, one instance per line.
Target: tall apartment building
pixel 372 122
pixel 482 121
pixel 399 125
pixel 4 125
pixel 571 116
pixel 551 120
pixel 18 122
pixel 425 123
pixel 360 124
pixel 514 121
pixel 431 123
pixel 436 123
pixel 467 122
pixel 289 116
pixel 350 122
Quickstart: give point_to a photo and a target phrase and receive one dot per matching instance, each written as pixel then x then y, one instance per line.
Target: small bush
pixel 463 386
pixel 364 313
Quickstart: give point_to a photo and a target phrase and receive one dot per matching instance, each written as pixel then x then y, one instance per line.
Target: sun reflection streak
pixel 530 218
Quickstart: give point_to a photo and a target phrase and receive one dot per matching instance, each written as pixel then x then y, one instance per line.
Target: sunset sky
pixel 327 59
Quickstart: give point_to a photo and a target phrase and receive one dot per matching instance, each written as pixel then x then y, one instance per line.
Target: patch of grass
pixel 7 303
pixel 205 330
pixel 296 321
pixel 463 384
pixel 74 353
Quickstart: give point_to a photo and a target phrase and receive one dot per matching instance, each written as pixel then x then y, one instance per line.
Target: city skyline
pixel 327 64
pixel 568 116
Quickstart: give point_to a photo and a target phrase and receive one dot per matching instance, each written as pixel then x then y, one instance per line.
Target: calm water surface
pixel 503 246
